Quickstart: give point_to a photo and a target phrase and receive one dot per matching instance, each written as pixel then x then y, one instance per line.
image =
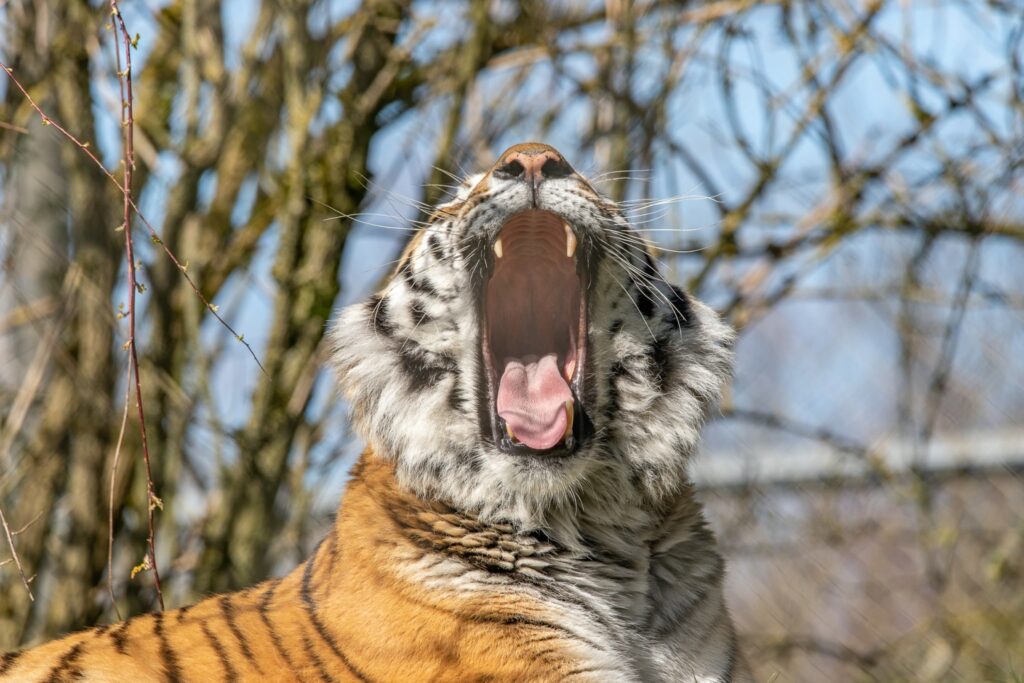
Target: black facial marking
pixel 648 286
pixel 475 251
pixel 423 368
pixel 419 314
pixel 421 286
pixel 684 310
pixel 611 409
pixel 436 248
pixel 455 397
pixel 377 305
pixel 645 301
pixel 661 362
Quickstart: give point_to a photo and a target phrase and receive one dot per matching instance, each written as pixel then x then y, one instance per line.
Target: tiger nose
pixel 534 167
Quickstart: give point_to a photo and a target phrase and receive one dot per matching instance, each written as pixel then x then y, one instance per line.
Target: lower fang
pixel 568 420
pixel 497 248
pixel 508 430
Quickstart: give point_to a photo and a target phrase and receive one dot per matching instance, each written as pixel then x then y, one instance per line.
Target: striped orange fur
pixel 351 612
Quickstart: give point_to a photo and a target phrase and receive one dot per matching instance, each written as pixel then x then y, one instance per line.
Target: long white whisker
pixel 641 280
pixel 626 292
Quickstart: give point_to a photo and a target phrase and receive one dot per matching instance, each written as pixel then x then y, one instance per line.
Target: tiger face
pixel 526 362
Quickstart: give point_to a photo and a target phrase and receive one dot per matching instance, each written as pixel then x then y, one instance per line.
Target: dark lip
pixel 582 426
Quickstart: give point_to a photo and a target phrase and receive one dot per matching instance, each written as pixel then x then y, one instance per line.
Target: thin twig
pixel 14 555
pixel 124 79
pixel 113 481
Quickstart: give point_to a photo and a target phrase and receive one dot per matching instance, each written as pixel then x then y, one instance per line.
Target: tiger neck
pixel 437 527
pixel 625 550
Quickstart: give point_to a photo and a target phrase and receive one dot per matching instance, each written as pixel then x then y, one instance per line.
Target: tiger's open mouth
pixel 534 336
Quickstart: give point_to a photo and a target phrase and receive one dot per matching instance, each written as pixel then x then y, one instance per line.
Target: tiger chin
pixel 531 390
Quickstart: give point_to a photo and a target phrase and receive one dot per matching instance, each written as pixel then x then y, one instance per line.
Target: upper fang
pixel 497 247
pixel 570 241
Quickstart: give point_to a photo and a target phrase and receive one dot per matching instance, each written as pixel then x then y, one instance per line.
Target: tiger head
pixel 526 362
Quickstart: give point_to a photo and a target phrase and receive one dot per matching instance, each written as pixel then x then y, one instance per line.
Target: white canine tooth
pixel 568 419
pixel 497 247
pixel 570 367
pixel 570 241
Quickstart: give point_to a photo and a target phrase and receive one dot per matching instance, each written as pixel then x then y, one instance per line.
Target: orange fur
pixel 353 611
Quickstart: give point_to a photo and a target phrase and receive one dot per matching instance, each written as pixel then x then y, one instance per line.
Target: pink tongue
pixel 531 399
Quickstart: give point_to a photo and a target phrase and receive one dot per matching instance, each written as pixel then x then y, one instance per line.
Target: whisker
pixel 457 179
pixel 391 194
pixel 657 247
pixel 642 279
pixel 626 292
pixel 632 205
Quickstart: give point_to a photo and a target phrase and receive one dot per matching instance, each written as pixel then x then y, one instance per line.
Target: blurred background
pixel 843 180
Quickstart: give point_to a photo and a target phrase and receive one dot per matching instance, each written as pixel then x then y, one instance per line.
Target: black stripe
pixel 182 612
pixel 8 660
pixel 647 286
pixel 419 314
pixel 578 602
pixel 120 637
pixel 419 285
pixel 645 301
pixel 540 639
pixel 377 306
pixel 332 552
pixel 661 362
pixel 455 397
pixel 503 619
pixel 66 665
pixel 229 671
pixel 506 620
pixel 307 644
pixel 580 671
pixel 681 302
pixel 424 369
pixel 521 620
pixel 229 616
pixel 310 604
pixel 170 660
pixel 436 248
pixel 263 607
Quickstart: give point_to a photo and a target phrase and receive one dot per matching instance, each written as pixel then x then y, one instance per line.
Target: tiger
pixel 531 391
